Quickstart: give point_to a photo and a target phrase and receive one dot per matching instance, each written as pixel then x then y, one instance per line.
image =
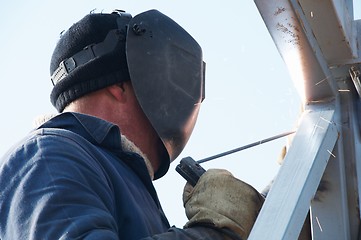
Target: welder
pixel 128 91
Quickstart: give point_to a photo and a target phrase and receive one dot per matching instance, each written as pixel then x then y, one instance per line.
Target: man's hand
pixel 222 201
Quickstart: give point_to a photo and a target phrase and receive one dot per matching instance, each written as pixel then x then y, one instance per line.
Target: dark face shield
pixel 163 62
pixel 167 72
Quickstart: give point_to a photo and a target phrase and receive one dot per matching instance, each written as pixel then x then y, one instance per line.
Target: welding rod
pixel 244 147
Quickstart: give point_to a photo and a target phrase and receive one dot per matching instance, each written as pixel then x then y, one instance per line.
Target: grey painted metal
pixel 332 24
pixel 298 47
pixel 288 202
pixel 329 208
pixel 319 42
pixel 350 137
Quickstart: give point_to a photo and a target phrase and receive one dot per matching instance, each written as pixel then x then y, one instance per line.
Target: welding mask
pixel 162 61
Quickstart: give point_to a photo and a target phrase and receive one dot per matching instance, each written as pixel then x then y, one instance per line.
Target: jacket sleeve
pixel 194 233
pixel 49 192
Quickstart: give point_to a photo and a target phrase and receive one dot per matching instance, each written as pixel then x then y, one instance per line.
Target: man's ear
pixel 117 92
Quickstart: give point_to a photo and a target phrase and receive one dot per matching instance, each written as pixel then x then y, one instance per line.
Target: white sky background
pixel 249 94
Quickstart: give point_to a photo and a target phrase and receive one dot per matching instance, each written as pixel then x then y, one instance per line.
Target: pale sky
pixel 249 94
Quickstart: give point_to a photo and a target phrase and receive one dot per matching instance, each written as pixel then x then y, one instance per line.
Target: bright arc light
pixel 292 58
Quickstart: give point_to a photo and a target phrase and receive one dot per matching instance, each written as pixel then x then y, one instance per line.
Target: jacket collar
pixel 95 130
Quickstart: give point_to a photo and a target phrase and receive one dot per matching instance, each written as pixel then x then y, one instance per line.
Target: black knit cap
pixel 96 74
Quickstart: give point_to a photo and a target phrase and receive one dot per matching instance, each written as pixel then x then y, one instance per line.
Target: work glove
pixel 222 201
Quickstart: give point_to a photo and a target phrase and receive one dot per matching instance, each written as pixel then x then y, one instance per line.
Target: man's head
pixel 160 59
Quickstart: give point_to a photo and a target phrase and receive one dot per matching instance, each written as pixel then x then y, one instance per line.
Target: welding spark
pixel 318 223
pixel 333 155
pixel 344 90
pixel 321 81
pixel 318 126
pixel 326 120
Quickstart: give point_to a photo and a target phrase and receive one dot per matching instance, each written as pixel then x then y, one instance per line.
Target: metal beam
pixel 333 26
pixel 288 201
pixel 319 42
pixel 329 208
pixel 293 36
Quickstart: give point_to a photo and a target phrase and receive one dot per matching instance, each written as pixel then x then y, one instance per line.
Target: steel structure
pixel 321 175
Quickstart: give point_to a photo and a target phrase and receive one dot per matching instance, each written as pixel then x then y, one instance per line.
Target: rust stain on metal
pixel 282 28
pixel 291 31
pixel 293 26
pixel 279 10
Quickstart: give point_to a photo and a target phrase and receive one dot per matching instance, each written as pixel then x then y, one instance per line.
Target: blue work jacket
pixel 71 179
